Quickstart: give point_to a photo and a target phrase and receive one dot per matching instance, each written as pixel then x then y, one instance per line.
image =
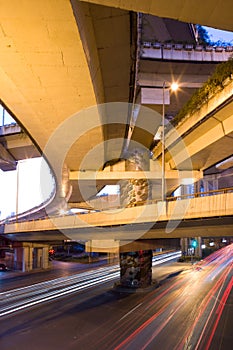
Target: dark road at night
pixel 190 308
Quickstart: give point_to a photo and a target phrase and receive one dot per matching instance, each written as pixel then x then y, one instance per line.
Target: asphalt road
pixel 11 279
pixel 191 308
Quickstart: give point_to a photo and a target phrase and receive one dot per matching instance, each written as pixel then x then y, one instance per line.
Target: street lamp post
pixel 163 144
pixel 174 86
pixel 17 193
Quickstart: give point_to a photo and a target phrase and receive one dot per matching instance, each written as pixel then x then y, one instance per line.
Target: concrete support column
pixel 27 259
pixel 38 257
pixel 45 257
pixel 198 251
pixel 23 258
pixel 136 191
pixel 184 245
pixel 29 256
pixel 18 258
pixel 111 258
pixel 136 269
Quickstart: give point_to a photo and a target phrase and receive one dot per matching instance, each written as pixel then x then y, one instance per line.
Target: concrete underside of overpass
pixel 57 64
pixel 205 227
pixel 210 13
pixel 60 63
pixel 112 240
pixel 71 56
pixel 15 145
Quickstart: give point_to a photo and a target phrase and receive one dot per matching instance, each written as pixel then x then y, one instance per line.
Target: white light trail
pixel 25 297
pixel 56 294
pixel 159 260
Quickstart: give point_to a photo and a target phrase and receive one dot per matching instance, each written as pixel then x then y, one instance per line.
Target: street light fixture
pixel 173 86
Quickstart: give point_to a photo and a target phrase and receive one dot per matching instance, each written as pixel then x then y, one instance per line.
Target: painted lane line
pixel 128 313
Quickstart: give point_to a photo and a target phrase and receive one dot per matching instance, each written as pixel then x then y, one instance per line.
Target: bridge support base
pixel 136 269
pixel 30 256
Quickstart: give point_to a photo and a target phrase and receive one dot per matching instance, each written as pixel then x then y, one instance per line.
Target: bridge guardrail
pixel 168 199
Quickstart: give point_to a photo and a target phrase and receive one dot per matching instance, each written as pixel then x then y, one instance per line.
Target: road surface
pixel 190 308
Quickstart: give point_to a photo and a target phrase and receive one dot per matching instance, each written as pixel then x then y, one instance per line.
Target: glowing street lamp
pixel 173 87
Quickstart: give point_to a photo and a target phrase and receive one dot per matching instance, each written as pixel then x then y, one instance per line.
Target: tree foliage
pixel 203 36
pixel 210 87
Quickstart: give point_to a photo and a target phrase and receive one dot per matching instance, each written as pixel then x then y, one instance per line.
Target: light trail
pixel 36 288
pixel 219 311
pixel 202 309
pixel 204 318
pixel 156 260
pixel 162 325
pixel 29 296
pixel 56 294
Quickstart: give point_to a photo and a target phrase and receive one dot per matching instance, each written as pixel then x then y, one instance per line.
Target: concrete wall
pixel 201 207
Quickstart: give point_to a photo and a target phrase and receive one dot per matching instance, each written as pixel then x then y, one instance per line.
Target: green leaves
pixel 209 88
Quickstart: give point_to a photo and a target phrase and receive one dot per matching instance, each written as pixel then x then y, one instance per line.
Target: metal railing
pixel 168 199
pixel 187 47
pixel 201 194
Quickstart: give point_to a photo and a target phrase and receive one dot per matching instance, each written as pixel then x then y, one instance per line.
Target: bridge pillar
pixel 27 264
pixel 135 191
pixel 45 257
pixel 198 248
pixel 112 258
pixel 18 258
pixel 136 269
pixel 184 245
pixel 39 257
pixel 23 258
pixel 29 256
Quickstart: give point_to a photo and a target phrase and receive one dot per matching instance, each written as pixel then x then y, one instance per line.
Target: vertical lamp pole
pixel 174 86
pixel 163 144
pixel 17 192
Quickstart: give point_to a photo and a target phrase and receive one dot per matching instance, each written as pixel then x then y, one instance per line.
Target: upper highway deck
pixel 150 220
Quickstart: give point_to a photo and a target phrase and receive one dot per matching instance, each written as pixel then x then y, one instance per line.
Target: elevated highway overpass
pixel 212 14
pixel 204 138
pixel 47 78
pixel 147 226
pixel 201 214
pixel 69 56
pixel 72 55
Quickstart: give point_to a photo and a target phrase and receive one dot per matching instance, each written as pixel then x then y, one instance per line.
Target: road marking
pixel 128 313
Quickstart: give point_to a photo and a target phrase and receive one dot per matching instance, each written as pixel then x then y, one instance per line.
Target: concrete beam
pixel 7 162
pixel 192 81
pixel 147 244
pixel 126 175
pixel 159 220
pixel 18 141
pixel 211 13
pixel 115 247
pixel 191 55
pixel 20 146
pixel 203 138
pixel 10 129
